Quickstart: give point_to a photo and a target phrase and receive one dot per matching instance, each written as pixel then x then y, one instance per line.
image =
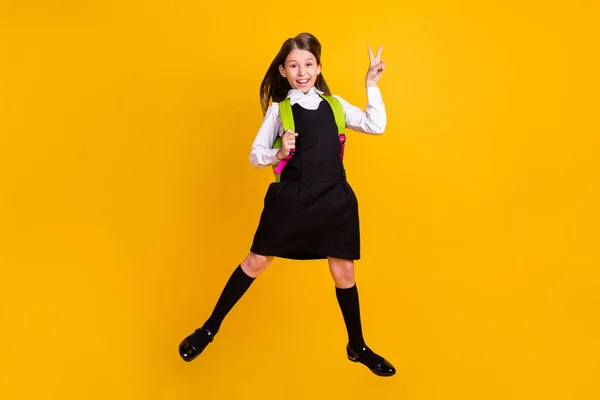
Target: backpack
pixel 287 120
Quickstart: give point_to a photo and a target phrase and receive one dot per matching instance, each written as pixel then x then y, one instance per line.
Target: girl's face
pixel 301 70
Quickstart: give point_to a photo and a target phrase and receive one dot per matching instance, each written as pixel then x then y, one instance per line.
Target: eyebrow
pixel 308 59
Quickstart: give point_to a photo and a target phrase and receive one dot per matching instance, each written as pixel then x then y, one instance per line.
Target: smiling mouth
pixel 302 81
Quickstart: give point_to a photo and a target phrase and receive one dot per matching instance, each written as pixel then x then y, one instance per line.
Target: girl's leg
pixel 343 275
pixel 342 272
pixel 241 279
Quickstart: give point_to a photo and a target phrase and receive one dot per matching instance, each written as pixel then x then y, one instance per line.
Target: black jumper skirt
pixel 312 213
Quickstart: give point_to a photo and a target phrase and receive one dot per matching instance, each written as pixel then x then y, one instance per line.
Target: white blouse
pixel 373 121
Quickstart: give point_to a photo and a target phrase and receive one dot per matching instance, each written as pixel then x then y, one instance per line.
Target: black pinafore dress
pixel 312 213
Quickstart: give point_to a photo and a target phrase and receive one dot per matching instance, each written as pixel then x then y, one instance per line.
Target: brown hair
pixel 274 87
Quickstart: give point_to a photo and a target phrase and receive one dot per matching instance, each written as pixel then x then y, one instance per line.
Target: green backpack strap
pixel 338 112
pixel 287 120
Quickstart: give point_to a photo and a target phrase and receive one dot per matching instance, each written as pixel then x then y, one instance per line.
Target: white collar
pixel 295 95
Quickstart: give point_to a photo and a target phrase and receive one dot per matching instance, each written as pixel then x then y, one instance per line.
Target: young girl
pixel 312 213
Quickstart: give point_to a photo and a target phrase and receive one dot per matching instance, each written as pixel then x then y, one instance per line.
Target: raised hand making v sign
pixel 376 67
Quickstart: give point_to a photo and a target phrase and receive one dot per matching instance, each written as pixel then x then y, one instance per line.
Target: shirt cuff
pixel 271 156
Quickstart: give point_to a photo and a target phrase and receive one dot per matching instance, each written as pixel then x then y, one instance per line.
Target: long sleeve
pixel 373 120
pixel 262 153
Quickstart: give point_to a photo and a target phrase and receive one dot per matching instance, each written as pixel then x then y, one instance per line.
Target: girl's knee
pixel 342 272
pixel 254 264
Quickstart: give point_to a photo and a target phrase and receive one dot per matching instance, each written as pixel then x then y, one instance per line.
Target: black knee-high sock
pixel 348 301
pixel 235 288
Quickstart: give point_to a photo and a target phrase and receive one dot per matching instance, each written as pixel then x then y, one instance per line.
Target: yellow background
pixel 127 200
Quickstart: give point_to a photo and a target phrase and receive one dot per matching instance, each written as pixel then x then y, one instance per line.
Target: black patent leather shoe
pixel 193 345
pixel 377 364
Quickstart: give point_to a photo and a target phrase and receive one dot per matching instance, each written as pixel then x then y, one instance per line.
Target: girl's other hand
pixel 376 67
pixel 288 143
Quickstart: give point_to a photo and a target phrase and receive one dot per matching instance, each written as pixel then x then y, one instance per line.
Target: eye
pixel 309 65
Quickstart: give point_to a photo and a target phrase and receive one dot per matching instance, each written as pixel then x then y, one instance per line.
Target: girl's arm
pixel 374 119
pixel 262 153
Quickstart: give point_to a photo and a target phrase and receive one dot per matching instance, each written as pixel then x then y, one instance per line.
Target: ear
pixel 319 69
pixel 282 71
